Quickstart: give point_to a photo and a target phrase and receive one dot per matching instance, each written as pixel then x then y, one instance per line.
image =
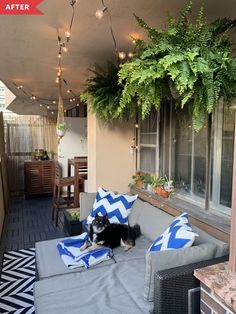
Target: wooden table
pixel 80 165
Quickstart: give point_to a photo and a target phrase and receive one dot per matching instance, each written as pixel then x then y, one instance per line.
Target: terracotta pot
pixel 164 193
pixel 157 190
pixel 140 184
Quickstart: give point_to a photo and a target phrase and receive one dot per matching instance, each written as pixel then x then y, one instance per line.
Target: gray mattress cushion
pixel 49 262
pixel 112 289
pixel 173 258
pixel 138 251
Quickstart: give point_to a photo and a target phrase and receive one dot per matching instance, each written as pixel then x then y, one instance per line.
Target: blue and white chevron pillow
pixel 116 206
pixel 178 235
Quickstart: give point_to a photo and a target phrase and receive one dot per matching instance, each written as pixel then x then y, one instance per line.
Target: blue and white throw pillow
pixel 116 206
pixel 178 235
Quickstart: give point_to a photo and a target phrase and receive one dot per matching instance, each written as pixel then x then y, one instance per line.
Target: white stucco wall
pixel 74 143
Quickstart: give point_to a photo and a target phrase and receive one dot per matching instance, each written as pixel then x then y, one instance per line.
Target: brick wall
pixel 211 304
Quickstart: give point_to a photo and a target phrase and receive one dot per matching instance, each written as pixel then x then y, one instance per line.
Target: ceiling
pixel 28 53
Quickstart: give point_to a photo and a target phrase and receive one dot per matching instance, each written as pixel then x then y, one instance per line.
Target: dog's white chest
pixel 94 237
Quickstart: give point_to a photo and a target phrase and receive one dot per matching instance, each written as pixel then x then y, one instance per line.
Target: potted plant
pixel 51 154
pixel 72 223
pixel 61 129
pixel 168 185
pixel 138 179
pixel 157 183
pixel 191 60
pixel 148 177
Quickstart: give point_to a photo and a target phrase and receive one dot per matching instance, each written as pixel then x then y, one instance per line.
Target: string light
pixel 69 91
pixel 59 55
pixel 54 101
pixel 77 105
pixel 20 86
pixel 100 13
pixel 67 33
pixel 130 54
pixel 52 112
pixel 40 105
pixel 121 55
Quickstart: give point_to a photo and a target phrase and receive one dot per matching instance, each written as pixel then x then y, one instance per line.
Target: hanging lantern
pixel 61 125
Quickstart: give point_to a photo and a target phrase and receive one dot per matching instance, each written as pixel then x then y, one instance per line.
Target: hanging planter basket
pixel 61 133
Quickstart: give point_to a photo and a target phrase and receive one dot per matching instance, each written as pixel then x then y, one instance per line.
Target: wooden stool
pixel 59 183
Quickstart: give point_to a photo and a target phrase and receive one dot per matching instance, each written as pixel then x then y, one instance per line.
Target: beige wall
pixel 111 163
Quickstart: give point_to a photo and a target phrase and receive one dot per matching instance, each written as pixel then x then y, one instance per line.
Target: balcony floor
pixel 27 222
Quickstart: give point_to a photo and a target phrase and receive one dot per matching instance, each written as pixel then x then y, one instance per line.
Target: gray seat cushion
pixel 49 262
pixel 152 220
pixel 138 251
pixel 112 289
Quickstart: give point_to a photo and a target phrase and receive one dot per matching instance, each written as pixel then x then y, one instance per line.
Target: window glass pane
pixel 199 162
pixel 227 157
pixel 182 150
pixel 147 159
pixel 148 130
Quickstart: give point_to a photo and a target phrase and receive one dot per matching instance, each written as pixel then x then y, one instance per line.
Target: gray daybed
pixel 130 281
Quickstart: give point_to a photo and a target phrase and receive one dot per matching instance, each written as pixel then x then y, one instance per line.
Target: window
pixel 148 143
pixel 170 146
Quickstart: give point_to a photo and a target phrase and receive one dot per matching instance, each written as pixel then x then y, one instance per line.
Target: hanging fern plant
pixel 194 59
pixel 103 92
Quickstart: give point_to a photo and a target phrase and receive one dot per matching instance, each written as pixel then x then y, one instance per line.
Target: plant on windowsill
pixel 148 177
pixel 158 183
pixel 191 59
pixel 138 179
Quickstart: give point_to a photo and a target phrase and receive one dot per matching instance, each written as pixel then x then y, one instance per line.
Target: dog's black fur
pixel 112 235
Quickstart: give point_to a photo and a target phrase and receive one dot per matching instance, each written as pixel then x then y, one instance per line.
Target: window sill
pixel 214 223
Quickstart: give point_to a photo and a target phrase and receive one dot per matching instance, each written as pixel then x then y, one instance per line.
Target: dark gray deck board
pixel 28 221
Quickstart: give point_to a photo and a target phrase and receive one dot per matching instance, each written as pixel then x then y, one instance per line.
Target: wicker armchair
pixel 171 287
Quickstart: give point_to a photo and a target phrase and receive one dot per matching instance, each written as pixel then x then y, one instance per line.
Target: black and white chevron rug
pixel 16 282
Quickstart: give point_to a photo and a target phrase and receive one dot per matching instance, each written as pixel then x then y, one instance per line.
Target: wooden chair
pixel 59 183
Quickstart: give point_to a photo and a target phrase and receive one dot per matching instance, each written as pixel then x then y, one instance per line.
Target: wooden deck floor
pixel 27 222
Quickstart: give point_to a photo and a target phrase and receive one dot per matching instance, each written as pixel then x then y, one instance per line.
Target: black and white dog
pixel 104 233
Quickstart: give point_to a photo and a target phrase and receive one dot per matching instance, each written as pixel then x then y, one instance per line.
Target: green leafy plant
pixel 138 177
pixel 75 215
pixel 62 126
pixel 157 181
pixel 192 59
pixel 103 93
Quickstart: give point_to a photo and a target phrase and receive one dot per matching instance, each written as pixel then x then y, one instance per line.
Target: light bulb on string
pixel 48 107
pixel 33 97
pixel 20 86
pixel 52 112
pixel 40 105
pixel 100 13
pixel 57 80
pixel 77 105
pixel 67 33
pixel 130 54
pixel 71 100
pixel 65 49
pixel 59 55
pixel 54 101
pixel 136 125
pixel 69 91
pixel 121 55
